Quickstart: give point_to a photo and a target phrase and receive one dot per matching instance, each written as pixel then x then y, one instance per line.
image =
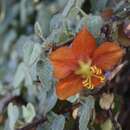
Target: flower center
pixel 86 70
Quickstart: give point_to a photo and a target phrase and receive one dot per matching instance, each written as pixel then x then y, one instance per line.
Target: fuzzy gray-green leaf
pixel 44 70
pixel 93 22
pixel 19 75
pixel 28 112
pixel 58 123
pixel 13 114
pixel 85 113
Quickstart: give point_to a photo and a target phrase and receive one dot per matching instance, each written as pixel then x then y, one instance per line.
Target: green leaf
pixel 31 52
pixel 58 123
pixel 1 127
pixel 47 100
pixel 59 36
pixel 57 21
pixel 73 99
pixel 44 70
pixel 107 125
pixel 98 5
pixel 35 53
pixel 70 5
pixel 23 73
pixel 19 75
pixel 79 3
pixel 3 90
pixel 41 100
pixel 119 6
pixel 38 31
pixel 43 18
pixel 28 112
pixel 93 22
pixel 6 126
pixel 27 50
pixel 93 4
pixel 50 100
pixel 9 38
pixel 23 12
pixel 73 12
pixel 52 119
pixel 28 77
pixel 85 113
pixel 67 8
pixel 13 114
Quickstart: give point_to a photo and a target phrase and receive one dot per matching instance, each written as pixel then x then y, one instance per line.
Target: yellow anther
pixel 95 70
pixel 88 84
pixel 87 72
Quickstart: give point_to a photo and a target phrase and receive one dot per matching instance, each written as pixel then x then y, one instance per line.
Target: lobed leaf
pixel 13 114
pixel 28 112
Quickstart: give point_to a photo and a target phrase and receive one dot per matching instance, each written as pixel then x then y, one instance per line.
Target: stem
pixel 114 122
pixel 69 109
pixel 33 124
pixel 37 122
pixel 82 12
pixel 7 99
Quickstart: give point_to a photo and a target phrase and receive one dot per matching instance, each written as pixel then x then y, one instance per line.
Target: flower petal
pixel 84 44
pixel 68 87
pixel 96 82
pixel 63 62
pixel 107 55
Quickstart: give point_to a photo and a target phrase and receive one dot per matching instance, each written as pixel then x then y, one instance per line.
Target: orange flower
pixel 82 64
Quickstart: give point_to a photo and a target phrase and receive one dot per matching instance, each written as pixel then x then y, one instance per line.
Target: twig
pixel 5 100
pixel 9 97
pixel 114 122
pixel 54 46
pixel 69 109
pixel 117 70
pixel 33 124
pixel 37 122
